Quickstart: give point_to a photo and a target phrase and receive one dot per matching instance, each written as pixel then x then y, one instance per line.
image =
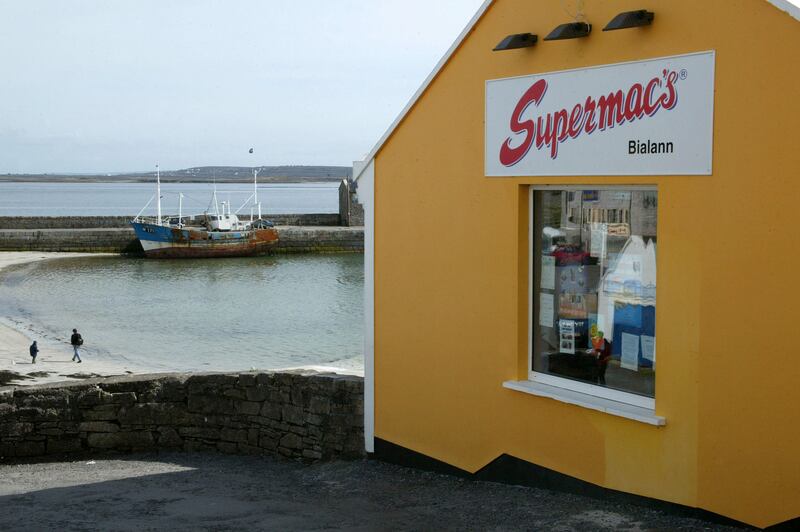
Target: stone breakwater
pixel 109 222
pixel 298 233
pixel 292 239
pixel 307 417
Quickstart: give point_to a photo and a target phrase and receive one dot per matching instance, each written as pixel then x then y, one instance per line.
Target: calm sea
pixel 209 315
pixel 126 199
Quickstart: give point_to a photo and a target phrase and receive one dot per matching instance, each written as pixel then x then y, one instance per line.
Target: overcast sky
pixel 110 86
pixel 118 85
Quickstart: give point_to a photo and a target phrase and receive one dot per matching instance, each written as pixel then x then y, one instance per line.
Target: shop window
pixel 593 279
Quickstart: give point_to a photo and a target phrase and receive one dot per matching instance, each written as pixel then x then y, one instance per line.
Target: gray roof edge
pixel 792 8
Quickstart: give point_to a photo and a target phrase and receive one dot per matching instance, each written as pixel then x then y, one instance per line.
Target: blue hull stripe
pixel 158 233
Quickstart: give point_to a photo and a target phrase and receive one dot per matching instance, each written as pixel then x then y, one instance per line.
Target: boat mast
pixel 255 191
pixel 180 208
pixel 216 204
pixel 158 194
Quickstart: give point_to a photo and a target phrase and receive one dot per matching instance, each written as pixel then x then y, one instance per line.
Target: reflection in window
pixel 594 281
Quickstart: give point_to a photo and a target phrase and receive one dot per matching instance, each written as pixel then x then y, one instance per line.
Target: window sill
pixel 615 408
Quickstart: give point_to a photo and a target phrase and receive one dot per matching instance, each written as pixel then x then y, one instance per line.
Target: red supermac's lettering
pixel 633 102
pixel 669 100
pixel 650 108
pixel 611 109
pixel 589 108
pixel 576 118
pixel 510 156
pixel 544 130
pixel 638 102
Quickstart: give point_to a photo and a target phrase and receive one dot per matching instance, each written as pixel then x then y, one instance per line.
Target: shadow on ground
pixel 216 492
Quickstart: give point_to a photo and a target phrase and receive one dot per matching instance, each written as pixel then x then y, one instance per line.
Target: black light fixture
pixel 518 40
pixel 570 30
pixel 630 19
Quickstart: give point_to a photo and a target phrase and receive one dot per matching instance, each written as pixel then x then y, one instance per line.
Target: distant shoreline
pixel 199 174
pixel 167 179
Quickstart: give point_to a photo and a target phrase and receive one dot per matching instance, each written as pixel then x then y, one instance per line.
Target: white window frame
pixel 594 390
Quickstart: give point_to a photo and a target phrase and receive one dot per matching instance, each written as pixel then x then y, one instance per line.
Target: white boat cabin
pixel 225 220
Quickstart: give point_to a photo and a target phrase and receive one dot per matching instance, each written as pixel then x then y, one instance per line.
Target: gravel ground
pixel 216 492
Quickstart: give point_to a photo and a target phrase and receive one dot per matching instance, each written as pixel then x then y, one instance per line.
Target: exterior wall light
pixel 630 19
pixel 518 40
pixel 570 30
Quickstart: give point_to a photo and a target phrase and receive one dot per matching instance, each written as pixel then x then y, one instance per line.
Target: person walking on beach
pixel 76 340
pixel 34 351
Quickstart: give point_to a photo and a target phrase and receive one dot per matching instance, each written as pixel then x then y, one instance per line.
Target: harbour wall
pixel 292 239
pixel 306 417
pixel 110 222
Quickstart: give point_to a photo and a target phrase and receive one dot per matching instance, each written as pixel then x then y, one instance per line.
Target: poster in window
pixel 548 272
pixel 630 351
pixel 566 336
pixel 576 306
pixel 599 237
pixel 546 309
pixel 649 348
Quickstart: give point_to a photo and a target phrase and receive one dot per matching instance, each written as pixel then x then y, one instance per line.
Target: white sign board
pixel 653 117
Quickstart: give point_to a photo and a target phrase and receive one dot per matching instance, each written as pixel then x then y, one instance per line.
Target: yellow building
pixel 531 198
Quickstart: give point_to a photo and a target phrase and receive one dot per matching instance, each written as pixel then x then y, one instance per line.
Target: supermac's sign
pixel 651 117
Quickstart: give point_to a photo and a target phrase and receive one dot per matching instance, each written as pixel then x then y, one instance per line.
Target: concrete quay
pixel 293 239
pixel 108 222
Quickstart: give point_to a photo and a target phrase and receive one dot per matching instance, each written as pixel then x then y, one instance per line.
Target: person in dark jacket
pixel 34 349
pixel 76 340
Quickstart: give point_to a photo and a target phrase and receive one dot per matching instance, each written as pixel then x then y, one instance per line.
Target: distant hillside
pixel 203 174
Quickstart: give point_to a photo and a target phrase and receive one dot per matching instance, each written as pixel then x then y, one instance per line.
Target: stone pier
pixel 293 239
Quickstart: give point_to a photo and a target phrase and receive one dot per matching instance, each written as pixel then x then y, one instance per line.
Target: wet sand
pixel 54 363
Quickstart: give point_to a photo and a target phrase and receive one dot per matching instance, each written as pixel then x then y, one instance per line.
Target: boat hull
pixel 161 242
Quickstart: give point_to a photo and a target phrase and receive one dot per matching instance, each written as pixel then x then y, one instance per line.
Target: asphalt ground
pixel 219 492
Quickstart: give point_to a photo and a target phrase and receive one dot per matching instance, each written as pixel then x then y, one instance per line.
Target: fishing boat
pixel 218 233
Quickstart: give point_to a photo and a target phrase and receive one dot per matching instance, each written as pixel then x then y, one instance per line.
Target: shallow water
pixel 185 315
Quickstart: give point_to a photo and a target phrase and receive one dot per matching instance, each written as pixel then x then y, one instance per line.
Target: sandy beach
pixel 54 362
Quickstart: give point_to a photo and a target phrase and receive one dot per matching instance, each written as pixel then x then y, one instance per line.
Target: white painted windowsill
pixel 615 408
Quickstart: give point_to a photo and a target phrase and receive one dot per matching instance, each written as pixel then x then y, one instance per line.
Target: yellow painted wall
pixel 451 271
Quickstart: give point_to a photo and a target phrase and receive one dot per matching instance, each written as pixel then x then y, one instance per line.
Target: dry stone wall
pixel 306 417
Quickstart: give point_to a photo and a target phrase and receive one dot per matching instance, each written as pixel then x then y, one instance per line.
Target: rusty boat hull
pixel 164 242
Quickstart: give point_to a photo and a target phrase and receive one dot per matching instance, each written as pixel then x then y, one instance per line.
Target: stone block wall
pixel 76 240
pixel 351 212
pixel 320 239
pixel 304 219
pixel 111 222
pixel 64 222
pixel 292 239
pixel 305 417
